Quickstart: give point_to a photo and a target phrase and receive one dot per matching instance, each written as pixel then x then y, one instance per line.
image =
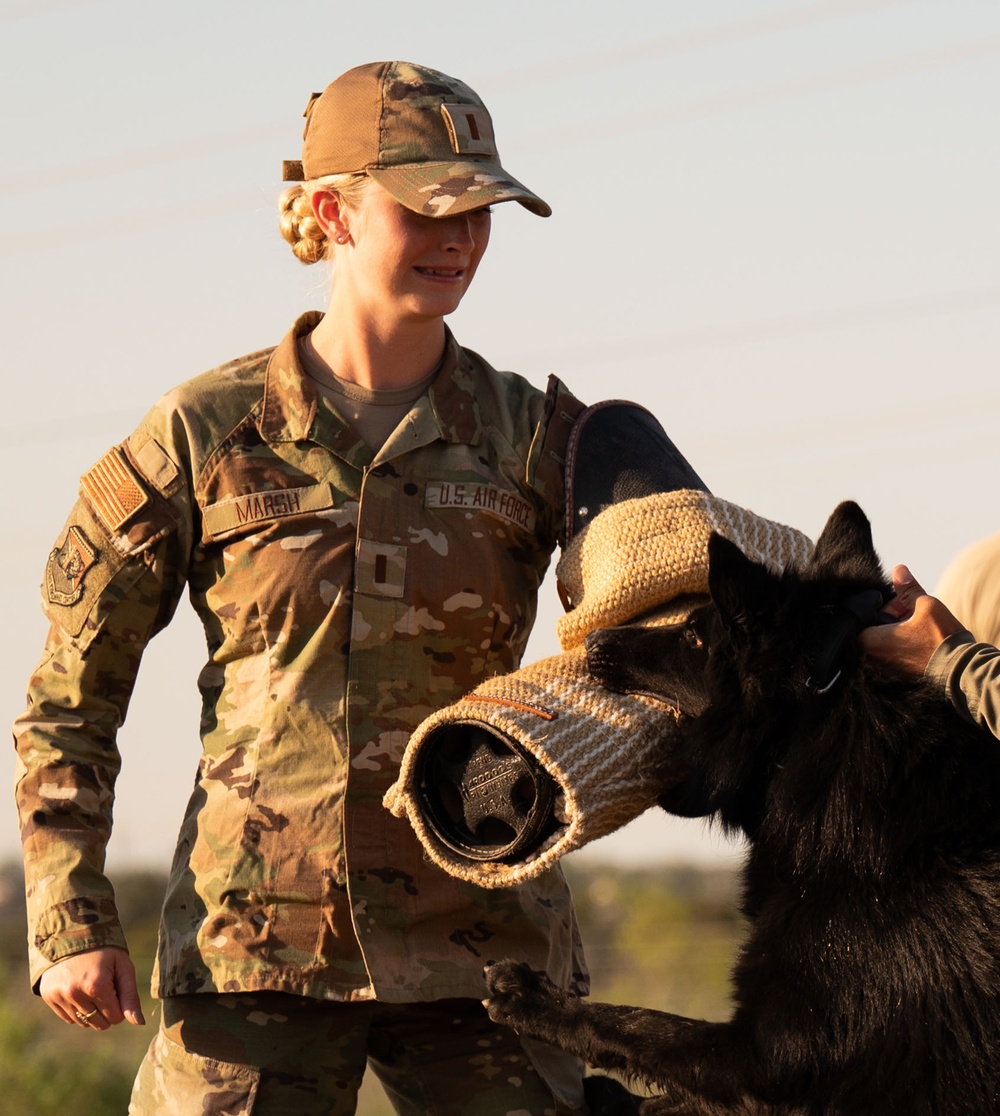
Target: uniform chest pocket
pixel 274 567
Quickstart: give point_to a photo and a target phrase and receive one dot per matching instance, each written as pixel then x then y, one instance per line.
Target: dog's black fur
pixel 869 981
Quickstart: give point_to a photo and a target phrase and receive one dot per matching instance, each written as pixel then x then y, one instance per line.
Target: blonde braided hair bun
pixel 299 226
pixel 297 220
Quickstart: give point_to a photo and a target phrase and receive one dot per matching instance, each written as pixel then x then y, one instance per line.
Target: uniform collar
pixel 294 411
pixel 453 396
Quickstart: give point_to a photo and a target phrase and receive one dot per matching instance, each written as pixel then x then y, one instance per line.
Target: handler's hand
pixel 924 624
pixel 99 984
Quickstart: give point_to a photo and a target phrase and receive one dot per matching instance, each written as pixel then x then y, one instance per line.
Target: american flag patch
pixel 112 488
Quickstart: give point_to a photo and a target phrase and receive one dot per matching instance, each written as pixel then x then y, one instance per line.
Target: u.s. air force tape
pixel 481 497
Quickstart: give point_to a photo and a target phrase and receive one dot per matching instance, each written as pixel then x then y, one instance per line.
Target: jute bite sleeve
pixel 607 755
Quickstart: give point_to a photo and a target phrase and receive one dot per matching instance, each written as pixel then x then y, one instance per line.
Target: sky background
pixel 775 226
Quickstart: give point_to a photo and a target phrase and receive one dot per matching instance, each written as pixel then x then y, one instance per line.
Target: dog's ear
pixel 845 547
pixel 740 587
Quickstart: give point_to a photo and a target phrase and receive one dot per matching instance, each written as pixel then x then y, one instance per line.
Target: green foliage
pixel 48 1067
pixel 658 937
pixel 40 1075
pixel 662 937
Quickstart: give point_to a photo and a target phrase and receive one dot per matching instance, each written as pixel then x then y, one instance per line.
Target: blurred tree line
pixel 660 937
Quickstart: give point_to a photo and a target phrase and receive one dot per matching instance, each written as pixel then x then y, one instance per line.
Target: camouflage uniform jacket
pixel 344 599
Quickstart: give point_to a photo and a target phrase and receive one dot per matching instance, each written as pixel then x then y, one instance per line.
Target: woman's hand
pixel 923 625
pixel 94 989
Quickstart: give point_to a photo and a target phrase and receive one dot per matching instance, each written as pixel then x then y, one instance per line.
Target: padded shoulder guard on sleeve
pixel 618 451
pixel 546 470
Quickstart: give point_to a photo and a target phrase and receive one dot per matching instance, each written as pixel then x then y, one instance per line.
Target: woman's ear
pixel 331 215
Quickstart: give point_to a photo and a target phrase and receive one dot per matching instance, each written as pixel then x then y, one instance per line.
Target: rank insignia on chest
pixel 68 566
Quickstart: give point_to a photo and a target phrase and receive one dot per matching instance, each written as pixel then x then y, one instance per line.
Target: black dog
pixel 869 982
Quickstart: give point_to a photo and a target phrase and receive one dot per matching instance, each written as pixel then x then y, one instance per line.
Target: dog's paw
pixel 517 992
pixel 511 977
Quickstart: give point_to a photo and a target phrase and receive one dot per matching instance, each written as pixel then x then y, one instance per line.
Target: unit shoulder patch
pixel 68 566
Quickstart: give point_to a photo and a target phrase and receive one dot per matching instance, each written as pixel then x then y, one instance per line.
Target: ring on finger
pixel 85 1017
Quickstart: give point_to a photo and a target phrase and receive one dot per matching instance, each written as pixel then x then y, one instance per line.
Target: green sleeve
pixel 969 674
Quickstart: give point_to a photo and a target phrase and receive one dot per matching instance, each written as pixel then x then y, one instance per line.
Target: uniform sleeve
pixel 111 582
pixel 969 674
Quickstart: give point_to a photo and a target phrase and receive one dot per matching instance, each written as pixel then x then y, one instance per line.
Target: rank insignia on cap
pixel 68 566
pixel 113 490
pixel 470 130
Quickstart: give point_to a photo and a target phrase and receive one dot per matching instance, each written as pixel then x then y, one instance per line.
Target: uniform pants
pixel 274 1054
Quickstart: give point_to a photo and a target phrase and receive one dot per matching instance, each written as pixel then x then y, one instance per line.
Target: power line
pixel 739 30
pixel 775 328
pixel 861 74
pixel 143 158
pixel 686 42
pixel 124 224
pixel 653 119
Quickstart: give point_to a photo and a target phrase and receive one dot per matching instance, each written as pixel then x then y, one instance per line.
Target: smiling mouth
pixel 442 272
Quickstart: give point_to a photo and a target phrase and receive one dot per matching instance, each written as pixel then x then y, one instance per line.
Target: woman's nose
pixel 459 232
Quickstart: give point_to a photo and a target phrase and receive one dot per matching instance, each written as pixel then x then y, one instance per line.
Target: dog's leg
pixel 605 1036
pixel 704 1069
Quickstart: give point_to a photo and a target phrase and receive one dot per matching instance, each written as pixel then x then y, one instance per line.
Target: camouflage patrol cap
pixel 425 137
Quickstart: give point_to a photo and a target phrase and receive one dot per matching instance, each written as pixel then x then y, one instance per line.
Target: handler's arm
pixel 106 594
pixel 969 673
pixel 929 640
